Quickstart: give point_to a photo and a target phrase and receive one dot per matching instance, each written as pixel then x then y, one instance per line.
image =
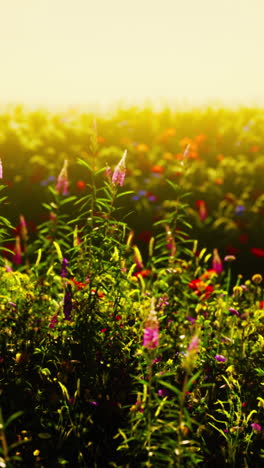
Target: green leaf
pixel 58 249
pixel 12 418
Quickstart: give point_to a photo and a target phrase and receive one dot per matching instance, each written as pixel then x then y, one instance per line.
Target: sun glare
pixel 80 52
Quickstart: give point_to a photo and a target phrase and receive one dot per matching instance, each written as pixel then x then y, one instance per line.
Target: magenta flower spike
pixel 120 171
pixel 217 262
pixel 194 344
pixel 151 331
pixel 62 181
pixel 1 169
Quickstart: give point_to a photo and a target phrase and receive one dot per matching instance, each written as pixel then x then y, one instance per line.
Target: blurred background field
pixel 225 163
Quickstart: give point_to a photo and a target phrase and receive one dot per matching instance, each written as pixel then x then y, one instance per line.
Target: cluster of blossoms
pixel 119 173
pixel 151 330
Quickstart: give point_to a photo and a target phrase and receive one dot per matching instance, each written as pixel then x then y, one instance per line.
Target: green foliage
pixel 109 357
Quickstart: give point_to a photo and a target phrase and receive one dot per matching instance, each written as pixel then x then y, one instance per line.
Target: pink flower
pixel 220 358
pixel 151 338
pixel 256 427
pixel 194 344
pixel 120 171
pixel 217 262
pixel 151 331
pixel 62 181
pixel 1 169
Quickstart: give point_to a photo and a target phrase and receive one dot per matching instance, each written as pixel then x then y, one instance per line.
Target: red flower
pixel 200 288
pixel 202 209
pixel 142 273
pixel 261 305
pixel 257 252
pixel 157 169
pixel 80 184
pixel 78 284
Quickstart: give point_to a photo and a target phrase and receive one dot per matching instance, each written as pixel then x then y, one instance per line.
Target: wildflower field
pixel 131 292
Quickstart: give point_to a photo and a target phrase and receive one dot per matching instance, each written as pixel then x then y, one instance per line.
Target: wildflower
pixel 162 392
pixel 23 225
pixel 233 311
pixel 261 305
pixel 142 148
pixel 18 252
pixel 257 278
pixel 256 427
pixel 53 321
pixel 8 268
pixel 79 284
pixel 143 273
pixel 67 303
pixel 62 181
pixel 239 209
pixel 217 262
pixel 80 184
pixel 200 288
pixel 1 169
pixel 120 171
pixel 194 344
pixel 157 169
pixel 257 252
pixel 229 258
pixel 237 291
pixel 202 209
pixel 64 271
pixel 191 354
pixel 220 358
pixel 151 331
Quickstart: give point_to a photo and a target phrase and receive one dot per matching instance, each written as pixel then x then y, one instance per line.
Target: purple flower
pixel 256 427
pixel 67 303
pixel 64 271
pixel 162 392
pixel 220 358
pixel 191 319
pixel 120 171
pixel 233 311
pixel 239 209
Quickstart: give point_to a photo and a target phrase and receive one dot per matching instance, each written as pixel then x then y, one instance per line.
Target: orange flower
pixel 142 148
pixel 193 155
pixel 185 141
pixel 157 169
pixel 220 157
pixel 254 148
pixel 100 139
pixel 218 181
pixel 168 156
pixel 199 139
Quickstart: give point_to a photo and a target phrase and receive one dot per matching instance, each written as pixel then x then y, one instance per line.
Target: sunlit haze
pixel 83 52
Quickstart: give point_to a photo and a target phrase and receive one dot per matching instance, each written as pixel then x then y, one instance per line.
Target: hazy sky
pixel 80 51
